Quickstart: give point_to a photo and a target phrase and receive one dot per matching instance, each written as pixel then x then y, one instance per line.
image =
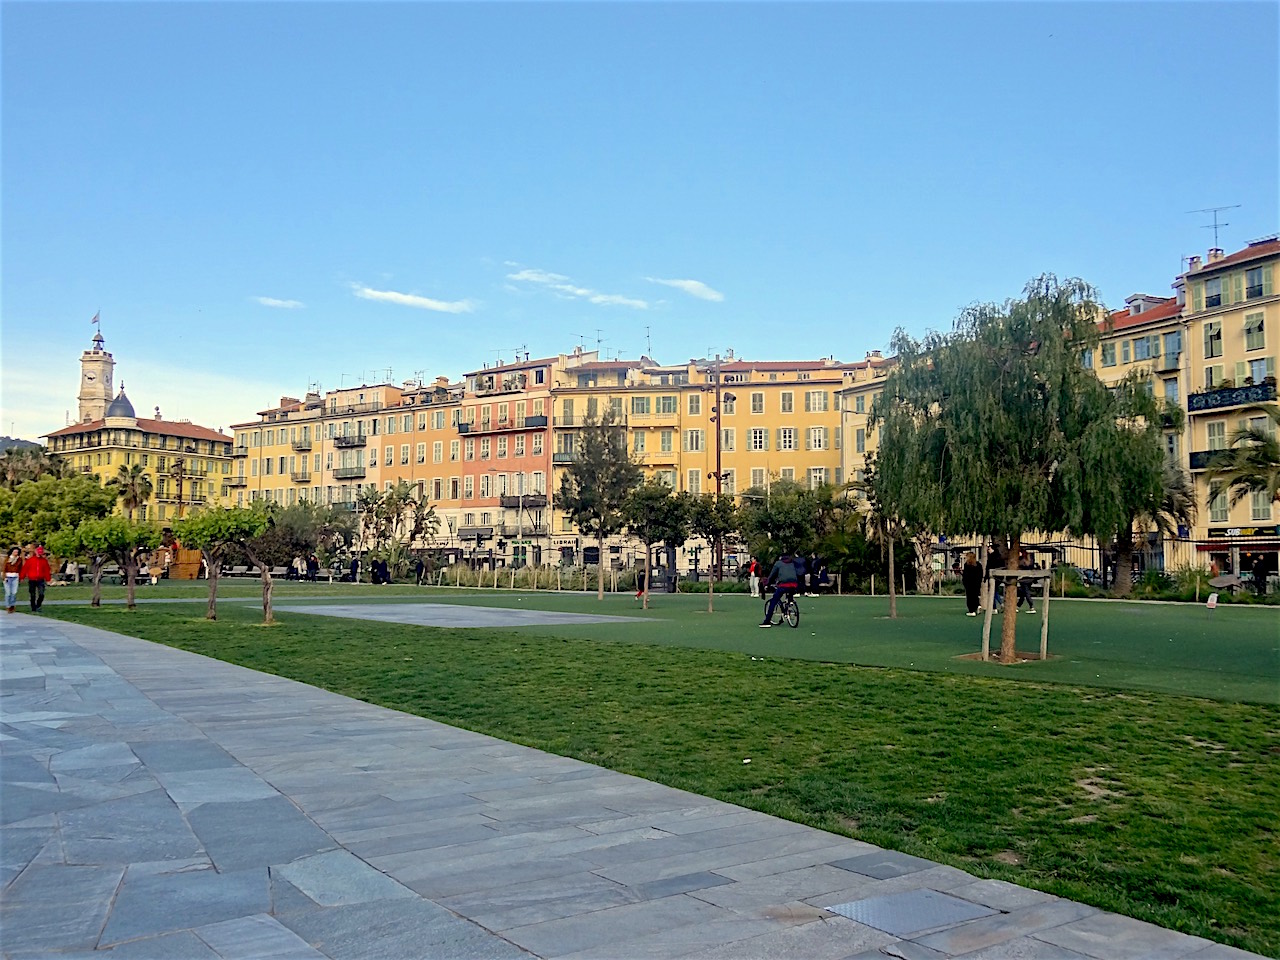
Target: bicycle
pixel 787 611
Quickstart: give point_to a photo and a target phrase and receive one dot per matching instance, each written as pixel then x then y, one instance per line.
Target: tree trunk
pixel 600 568
pixel 95 571
pixel 130 574
pixel 1008 626
pixel 893 596
pixel 648 572
pixel 265 572
pixel 214 560
pixel 1124 565
pixel 711 578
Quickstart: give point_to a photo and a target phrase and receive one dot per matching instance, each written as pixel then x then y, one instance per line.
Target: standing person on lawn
pixel 753 573
pixel 35 570
pixel 971 577
pixel 784 578
pixel 12 574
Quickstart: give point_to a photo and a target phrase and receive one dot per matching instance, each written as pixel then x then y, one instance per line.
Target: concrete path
pixel 158 804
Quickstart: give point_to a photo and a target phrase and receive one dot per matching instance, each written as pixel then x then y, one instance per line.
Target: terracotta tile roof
pixel 1122 319
pixel 1255 251
pixel 606 365
pixel 746 366
pixel 167 428
pixel 514 366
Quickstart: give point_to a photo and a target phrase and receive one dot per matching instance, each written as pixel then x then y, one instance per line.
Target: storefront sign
pixel 1244 531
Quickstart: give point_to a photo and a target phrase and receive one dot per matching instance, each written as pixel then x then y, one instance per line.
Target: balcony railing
pixel 301 445
pixel 528 500
pixel 240 450
pixel 345 408
pixel 1200 458
pixel 350 440
pixel 1253 291
pixel 563 457
pixel 1231 397
pixel 236 481
pixel 346 506
pixel 348 473
pixel 525 531
pixel 300 476
pixel 1169 362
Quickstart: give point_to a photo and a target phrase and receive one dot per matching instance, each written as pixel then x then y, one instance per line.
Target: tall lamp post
pixel 719 474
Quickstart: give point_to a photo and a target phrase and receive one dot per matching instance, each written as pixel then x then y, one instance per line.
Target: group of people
pixel 972 575
pixel 810 574
pixel 305 568
pixel 30 565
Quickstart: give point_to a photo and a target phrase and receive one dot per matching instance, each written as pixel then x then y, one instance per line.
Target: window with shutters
pixel 787 473
pixel 695 481
pixel 817 439
pixel 519 450
pixel 786 438
pixel 757 476
pixel 422 453
pixel 815 401
pixel 729 404
pixel 1216 431
pixel 404 454
pixel 1254 336
pixel 788 402
pixel 817 477
pixel 693 441
pixel 469 449
pixel 1108 354
pixel 860 440
pixel 638 441
pixel 666 441
pixel 437 451
pixel 727 440
pixel 668 404
pixel 1260 368
pixel 640 406
pixel 757 403
pixel 759 441
pixel 502 448
pixel 453 450
pixel 1259 505
pixel 695 404
pixel 1214 375
pixel 1213 292
pixel 1213 339
pixel 729 483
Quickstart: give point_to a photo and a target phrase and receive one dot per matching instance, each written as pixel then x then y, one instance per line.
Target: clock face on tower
pixel 90 377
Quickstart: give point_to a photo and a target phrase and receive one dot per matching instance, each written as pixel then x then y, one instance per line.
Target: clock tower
pixel 96 366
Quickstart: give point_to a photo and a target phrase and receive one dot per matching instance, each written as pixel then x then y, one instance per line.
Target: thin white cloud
pixel 694 288
pixel 562 286
pixel 413 300
pixel 280 304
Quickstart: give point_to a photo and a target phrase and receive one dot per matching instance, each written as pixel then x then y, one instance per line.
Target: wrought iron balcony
pixel 236 481
pixel 240 450
pixel 528 500
pixel 1231 397
pixel 348 473
pixel 301 445
pixel 563 457
pixel 1200 458
pixel 300 476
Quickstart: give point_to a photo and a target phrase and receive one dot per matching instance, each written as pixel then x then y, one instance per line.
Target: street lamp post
pixel 718 476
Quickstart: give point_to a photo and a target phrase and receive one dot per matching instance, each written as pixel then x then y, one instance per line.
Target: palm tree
pixel 1251 464
pixel 134 487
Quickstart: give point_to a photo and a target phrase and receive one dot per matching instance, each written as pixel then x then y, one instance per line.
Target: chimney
pixel 158 417
pixel 873 355
pixel 1215 254
pixel 1193 262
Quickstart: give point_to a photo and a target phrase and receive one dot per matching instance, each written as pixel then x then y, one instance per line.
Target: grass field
pixel 1093 776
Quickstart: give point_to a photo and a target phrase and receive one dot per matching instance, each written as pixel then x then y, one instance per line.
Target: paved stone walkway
pixel 158 804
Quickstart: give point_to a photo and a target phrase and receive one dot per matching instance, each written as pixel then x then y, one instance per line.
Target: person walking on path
pixel 35 570
pixel 1024 586
pixel 784 578
pixel 12 574
pixel 971 577
pixel 801 571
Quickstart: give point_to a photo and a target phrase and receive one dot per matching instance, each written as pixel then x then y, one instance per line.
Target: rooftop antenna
pixel 648 344
pixel 388 380
pixel 1215 225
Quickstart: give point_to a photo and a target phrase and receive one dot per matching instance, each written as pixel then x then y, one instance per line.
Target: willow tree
pixel 595 485
pixel 998 427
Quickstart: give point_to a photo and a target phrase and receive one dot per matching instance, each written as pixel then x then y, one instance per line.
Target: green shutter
pixel 1268 285
pixel 1197 296
pixel 1242 371
pixel 1237 287
pixel 808 441
pixel 1271 366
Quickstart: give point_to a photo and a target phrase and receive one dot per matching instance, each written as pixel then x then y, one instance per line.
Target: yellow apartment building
pixel 188 465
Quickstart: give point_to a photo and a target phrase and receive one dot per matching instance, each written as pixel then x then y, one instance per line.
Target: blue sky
pixel 259 197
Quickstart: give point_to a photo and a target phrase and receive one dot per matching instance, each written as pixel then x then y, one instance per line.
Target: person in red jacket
pixel 35 570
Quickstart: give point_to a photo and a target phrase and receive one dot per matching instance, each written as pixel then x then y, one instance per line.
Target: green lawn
pixel 1080 776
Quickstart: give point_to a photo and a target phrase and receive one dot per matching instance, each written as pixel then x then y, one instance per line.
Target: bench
pixel 237 571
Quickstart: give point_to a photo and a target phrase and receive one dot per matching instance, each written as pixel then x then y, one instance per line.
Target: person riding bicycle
pixel 784 579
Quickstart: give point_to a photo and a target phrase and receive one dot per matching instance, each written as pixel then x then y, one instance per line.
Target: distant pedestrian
pixel 355 569
pixel 1024 586
pixel 995 561
pixel 971 577
pixel 12 574
pixel 419 570
pixel 802 571
pixel 35 570
pixel 753 575
pixel 313 567
pixel 640 583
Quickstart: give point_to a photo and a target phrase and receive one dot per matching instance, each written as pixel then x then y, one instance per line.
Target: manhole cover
pixel 906 914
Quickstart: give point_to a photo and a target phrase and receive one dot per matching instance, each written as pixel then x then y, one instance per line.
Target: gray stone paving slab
pixel 339 877
pixel 256 833
pixel 150 905
pixel 1110 937
pixel 1025 948
pixel 258 937
pixel 365 814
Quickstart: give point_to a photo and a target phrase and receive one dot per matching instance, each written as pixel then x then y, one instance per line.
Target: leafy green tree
pixel 1251 464
pixel 993 427
pixel 38 508
pixel 597 482
pixel 713 517
pixel 133 487
pixel 19 465
pixel 215 532
pixel 108 538
pixel 778 517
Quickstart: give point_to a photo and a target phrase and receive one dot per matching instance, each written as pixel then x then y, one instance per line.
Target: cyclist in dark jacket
pixel 784 579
